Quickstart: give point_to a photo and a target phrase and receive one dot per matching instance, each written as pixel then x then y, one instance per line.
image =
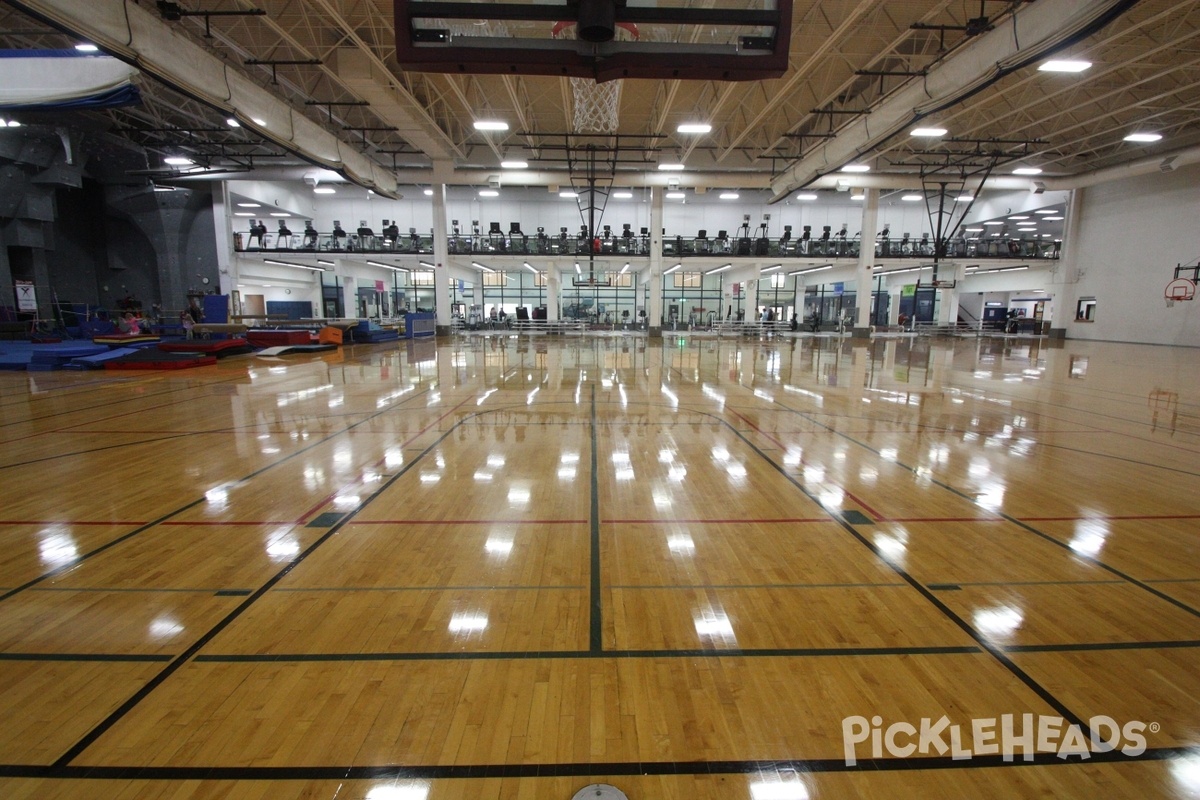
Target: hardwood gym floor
pixel 499 568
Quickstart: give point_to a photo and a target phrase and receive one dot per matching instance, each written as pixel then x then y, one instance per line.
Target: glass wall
pixel 691 298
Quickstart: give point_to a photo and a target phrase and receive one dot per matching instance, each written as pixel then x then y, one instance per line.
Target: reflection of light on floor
pixel 430 477
pixel 467 622
pixel 57 546
pixel 992 497
pixel 892 548
pixel 1089 538
pixel 681 545
pixel 998 623
pixel 499 547
pixel 495 461
pixel 1186 773
pixel 164 628
pixel 283 548
pixel 713 624
pixel 518 496
pixel 412 791
pixel 779 790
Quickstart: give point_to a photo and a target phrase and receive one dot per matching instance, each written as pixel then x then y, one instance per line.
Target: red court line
pixel 942 519
pixel 66 522
pixel 711 521
pixel 468 522
pixel 414 437
pixel 1118 517
pixel 845 491
pixel 231 522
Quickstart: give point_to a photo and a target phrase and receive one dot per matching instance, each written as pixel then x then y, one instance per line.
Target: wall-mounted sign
pixel 26 296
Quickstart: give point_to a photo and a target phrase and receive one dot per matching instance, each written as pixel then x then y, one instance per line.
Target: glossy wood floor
pixel 502 568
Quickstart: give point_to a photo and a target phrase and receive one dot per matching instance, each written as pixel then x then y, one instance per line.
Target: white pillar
pixel 893 293
pixel 948 308
pixel 750 298
pixel 553 292
pixel 441 248
pixel 655 311
pixel 866 265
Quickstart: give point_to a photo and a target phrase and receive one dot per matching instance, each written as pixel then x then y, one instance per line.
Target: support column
pixel 1068 266
pixel 228 265
pixel 750 297
pixel 948 308
pixel 654 312
pixel 441 249
pixel 553 292
pixel 893 293
pixel 866 264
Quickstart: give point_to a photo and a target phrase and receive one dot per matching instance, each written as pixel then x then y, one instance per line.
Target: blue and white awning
pixel 50 80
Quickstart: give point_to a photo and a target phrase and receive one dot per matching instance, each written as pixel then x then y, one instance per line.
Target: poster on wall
pixel 26 296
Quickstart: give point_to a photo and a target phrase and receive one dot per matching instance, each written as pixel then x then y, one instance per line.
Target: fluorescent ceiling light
pixel 243 213
pixel 858 197
pixel 813 269
pixel 178 161
pixel 930 132
pixel 694 127
pixel 481 266
pixel 280 214
pixel 567 195
pixel 623 195
pixel 290 264
pixel 1144 137
pixel 973 230
pixel 1064 66
pixel 1045 211
pixel 770 269
pixel 531 268
pixel 514 165
pixel 1053 219
pixel 428 192
pixel 807 197
pixel 324 190
pixel 233 123
pixel 1027 171
pixel 856 168
pixel 672 269
pixel 625 268
pixel 993 223
pixel 324 263
pixel 964 198
pixel 249 205
pixel 719 269
pixel 912 198
pixel 426 264
pixel 1018 218
pixel 670 167
pixel 490 125
pixel 388 266
pixel 86 48
pixel 258 121
pixel 729 195
pixel 489 193
pixel 578 271
pixel 675 195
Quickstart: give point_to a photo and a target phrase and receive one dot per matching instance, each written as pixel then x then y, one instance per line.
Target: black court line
pixel 12 465
pixel 996 653
pixel 113 718
pixel 1039 583
pixel 70 565
pixel 596 626
pixel 584 655
pixel 105 657
pixel 759 586
pixel 495 587
pixel 1007 517
pixel 128 590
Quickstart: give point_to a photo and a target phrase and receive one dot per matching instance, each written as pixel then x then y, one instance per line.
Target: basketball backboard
pixel 730 40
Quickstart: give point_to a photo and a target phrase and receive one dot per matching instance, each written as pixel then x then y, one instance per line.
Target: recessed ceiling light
pixel 806 197
pixel 973 230
pixel 1064 66
pixel 1018 219
pixel 670 167
pixel 675 195
pixel 243 213
pixel 1045 211
pixel 490 125
pixel 280 214
pixel 1144 137
pixel 86 48
pixel 324 190
pixel 249 205
pixel 428 192
pixel 1027 171
pixel 694 127
pixel 993 223
pixel 489 193
pixel 567 195
pixel 178 161
pixel 623 195
pixel 856 168
pixel 930 132
pixel 912 198
pixel 233 123
pixel 1053 219
pixel 729 195
pixel 514 165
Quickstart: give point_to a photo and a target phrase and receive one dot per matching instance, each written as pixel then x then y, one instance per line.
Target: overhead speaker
pixel 1168 164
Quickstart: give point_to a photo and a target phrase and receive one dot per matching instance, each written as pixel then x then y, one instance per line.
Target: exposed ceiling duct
pixel 1032 33
pixel 138 36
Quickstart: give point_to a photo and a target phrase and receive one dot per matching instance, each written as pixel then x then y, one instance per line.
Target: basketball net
pixel 595 106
